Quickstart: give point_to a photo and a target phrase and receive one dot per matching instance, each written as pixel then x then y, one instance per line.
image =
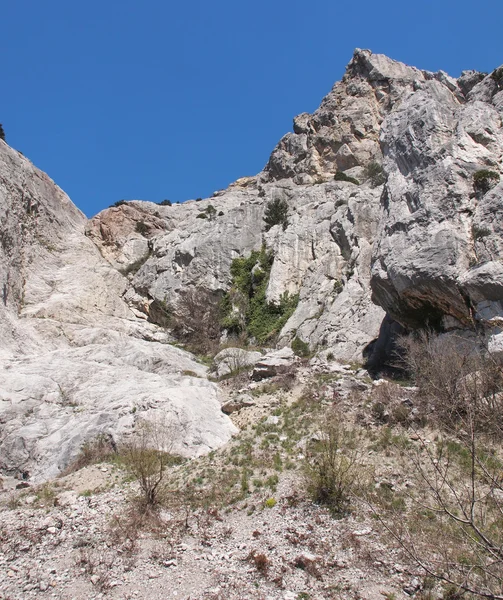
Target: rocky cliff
pixel 417 229
pixel 75 360
pixel 394 207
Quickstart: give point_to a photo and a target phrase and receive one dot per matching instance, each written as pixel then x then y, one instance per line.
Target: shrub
pixel 195 320
pixel 330 469
pixel 459 386
pixel 484 180
pixel 276 213
pixel 245 309
pixel 270 503
pixel 141 227
pixel 497 76
pixel 148 454
pixel 165 203
pixel 260 561
pixel 341 176
pixel 375 174
pixel 202 215
pixel 136 265
pixel 2 133
pixel 99 449
pixel 479 233
pixel 300 347
pixel 117 204
pixel 211 212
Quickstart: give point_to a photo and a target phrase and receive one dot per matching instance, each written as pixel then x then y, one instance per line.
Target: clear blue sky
pixel 161 99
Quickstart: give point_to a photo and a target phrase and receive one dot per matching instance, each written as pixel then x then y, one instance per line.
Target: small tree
pixel 276 213
pixel 211 211
pixel 2 133
pixel 148 454
pixel 455 534
pixel 331 469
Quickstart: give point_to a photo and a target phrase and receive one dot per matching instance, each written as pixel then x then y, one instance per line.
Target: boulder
pixel 231 360
pixel 274 363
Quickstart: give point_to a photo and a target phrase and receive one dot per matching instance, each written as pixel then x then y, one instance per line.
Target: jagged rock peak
pixel 378 67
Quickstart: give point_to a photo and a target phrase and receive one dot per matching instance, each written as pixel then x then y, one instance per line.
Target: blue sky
pixel 154 99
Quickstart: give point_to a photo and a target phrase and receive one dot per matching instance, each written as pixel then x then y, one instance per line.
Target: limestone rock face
pixel 416 235
pixel 437 256
pixel 343 133
pixel 75 360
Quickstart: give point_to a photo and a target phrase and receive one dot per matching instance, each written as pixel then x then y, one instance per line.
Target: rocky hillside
pixel 393 220
pixel 394 196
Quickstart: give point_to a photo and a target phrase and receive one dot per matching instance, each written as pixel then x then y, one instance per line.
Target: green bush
pixel 479 233
pixel 117 204
pixel 497 76
pixel 375 174
pixel 276 213
pixel 341 176
pixel 202 215
pixel 2 133
pixel 484 180
pixel 245 309
pixel 211 212
pixel 164 203
pixel 300 347
pixel 142 227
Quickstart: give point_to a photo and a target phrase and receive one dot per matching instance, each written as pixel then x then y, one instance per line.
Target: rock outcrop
pixel 415 233
pixel 394 222
pixel 76 360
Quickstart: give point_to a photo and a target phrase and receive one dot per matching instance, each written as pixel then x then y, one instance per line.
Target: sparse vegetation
pixel 147 454
pixel 331 468
pixel 479 233
pixel 165 203
pixel 141 227
pixel 341 176
pixel 101 448
pixel 2 133
pixel 374 173
pixel 276 213
pixel 300 347
pixel 453 527
pixel 484 180
pixel 195 320
pixel 135 266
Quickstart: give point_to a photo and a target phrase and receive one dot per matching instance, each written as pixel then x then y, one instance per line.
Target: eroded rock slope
pixel 75 360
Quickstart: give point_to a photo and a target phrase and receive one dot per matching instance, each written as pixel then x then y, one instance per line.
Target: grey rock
pixel 274 363
pixel 75 361
pixel 234 359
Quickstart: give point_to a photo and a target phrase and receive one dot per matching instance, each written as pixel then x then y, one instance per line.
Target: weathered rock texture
pixel 75 359
pixel 80 346
pixel 422 239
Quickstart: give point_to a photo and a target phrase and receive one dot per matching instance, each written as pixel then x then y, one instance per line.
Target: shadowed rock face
pixel 437 256
pixel 420 244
